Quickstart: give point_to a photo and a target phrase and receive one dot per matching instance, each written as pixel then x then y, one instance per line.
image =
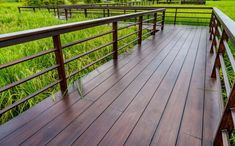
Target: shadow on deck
pixel 160 94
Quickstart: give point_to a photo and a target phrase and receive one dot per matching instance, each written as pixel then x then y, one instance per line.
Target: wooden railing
pixel 222 36
pixel 174 15
pixel 55 32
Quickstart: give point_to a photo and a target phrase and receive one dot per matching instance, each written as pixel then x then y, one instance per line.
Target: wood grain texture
pixel 160 94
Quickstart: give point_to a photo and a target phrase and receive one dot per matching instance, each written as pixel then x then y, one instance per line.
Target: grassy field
pixel 11 21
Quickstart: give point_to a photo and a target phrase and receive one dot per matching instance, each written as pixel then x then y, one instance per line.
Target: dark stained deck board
pixel 160 94
pixel 213 101
pixel 194 105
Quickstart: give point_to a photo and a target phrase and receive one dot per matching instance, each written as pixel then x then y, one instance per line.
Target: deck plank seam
pixel 169 96
pixel 191 76
pixel 205 89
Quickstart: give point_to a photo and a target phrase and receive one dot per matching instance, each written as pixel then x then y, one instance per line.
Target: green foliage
pixel 43 2
pixel 73 1
pixel 91 1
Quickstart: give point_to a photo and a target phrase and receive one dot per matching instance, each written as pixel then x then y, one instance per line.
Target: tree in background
pixel 42 2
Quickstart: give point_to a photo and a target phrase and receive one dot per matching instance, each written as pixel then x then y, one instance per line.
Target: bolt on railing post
pixel 60 62
pixel 175 15
pixel 140 30
pixel 115 40
pixel 154 23
pixel 163 20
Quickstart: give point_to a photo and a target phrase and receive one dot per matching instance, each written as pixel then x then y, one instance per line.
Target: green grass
pixel 11 21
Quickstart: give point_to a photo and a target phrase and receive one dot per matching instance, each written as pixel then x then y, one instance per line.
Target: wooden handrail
pixel 55 32
pixel 227 23
pixel 222 30
pixel 35 34
pixel 68 10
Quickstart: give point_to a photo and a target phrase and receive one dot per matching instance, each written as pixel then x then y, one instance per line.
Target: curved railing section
pixel 222 36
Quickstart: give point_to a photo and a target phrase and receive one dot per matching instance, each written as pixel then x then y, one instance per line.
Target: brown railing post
pixel 85 12
pixel 54 11
pixel 108 12
pixel 115 40
pixel 176 10
pixel 60 61
pixel 212 26
pixel 70 13
pixel 140 30
pixel 58 13
pixel 66 14
pixel 163 20
pixel 103 12
pixel 154 23
pixel 19 9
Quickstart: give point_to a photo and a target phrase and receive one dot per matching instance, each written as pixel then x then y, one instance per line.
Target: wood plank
pixel 66 137
pixel 191 125
pixel 118 134
pixel 61 123
pixel 167 133
pixel 155 109
pixel 128 95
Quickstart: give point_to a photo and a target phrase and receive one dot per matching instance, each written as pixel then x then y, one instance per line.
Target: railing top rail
pixel 117 6
pixel 227 23
pixel 39 33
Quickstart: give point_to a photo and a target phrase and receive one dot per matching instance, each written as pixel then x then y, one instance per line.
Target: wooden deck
pixel 160 94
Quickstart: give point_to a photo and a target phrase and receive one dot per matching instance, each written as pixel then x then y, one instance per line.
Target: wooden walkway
pixel 161 94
